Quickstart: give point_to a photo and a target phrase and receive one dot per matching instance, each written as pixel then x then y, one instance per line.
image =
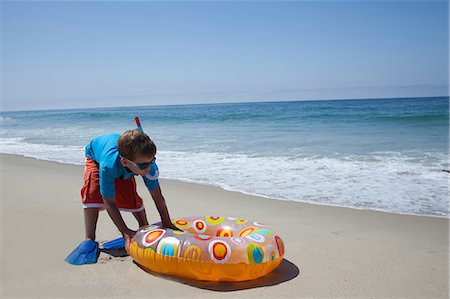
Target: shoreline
pixel 249 193
pixel 330 251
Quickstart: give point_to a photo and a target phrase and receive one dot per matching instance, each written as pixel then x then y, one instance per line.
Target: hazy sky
pixel 119 53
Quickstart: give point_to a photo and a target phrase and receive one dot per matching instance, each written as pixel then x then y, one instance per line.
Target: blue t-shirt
pixel 103 150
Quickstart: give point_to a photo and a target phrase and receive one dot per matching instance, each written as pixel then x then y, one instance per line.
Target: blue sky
pixel 117 53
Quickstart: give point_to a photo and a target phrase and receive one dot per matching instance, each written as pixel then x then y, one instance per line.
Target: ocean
pixel 375 154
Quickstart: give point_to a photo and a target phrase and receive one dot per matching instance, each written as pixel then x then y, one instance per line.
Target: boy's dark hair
pixel 133 143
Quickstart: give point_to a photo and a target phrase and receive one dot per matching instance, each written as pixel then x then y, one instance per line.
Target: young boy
pixel 112 161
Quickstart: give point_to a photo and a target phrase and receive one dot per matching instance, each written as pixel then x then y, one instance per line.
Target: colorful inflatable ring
pixel 209 248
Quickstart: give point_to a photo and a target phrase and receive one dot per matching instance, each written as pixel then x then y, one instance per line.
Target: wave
pixel 58 153
pixel 387 181
pixel 411 118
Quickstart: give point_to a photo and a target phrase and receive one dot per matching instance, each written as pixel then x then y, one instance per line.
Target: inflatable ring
pixel 209 248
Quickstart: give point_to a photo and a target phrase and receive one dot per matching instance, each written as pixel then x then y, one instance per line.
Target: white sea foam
pixel 380 182
pixel 59 153
pixel 384 181
pixel 4 118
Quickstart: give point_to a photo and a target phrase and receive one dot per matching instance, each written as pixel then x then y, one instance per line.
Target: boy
pixel 112 161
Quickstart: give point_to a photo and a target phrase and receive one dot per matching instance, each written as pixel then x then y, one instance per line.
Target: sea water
pixel 378 154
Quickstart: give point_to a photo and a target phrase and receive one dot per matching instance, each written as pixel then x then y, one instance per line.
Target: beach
pixel 330 251
pixel 326 121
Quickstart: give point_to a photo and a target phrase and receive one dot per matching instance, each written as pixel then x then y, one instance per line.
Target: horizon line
pixel 224 103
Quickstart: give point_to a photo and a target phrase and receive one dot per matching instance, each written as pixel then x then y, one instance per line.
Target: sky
pixel 82 54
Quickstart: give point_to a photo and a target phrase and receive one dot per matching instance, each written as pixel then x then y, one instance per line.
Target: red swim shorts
pixel 127 198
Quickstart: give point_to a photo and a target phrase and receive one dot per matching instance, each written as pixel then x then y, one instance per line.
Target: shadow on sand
pixel 116 252
pixel 284 272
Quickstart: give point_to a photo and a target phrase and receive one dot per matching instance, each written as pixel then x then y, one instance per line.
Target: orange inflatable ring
pixel 209 248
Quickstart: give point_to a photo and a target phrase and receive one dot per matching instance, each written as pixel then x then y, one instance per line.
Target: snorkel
pixel 140 165
pixel 138 123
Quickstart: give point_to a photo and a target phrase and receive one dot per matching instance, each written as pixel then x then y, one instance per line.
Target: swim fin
pixel 85 253
pixel 114 244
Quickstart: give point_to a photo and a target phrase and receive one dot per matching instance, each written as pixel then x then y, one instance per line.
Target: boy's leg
pixel 141 218
pixel 91 198
pixel 90 222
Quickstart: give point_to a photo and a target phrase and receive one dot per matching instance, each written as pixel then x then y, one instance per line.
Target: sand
pixel 330 251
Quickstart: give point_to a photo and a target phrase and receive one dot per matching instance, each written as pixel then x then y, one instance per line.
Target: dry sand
pixel 330 251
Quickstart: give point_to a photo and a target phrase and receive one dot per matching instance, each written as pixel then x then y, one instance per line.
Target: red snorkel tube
pixel 138 123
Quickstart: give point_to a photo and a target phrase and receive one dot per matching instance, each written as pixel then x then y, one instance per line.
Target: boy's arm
pixel 114 213
pixel 160 203
pixel 107 190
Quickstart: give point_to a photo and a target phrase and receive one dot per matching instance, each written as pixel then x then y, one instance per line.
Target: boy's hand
pixel 127 236
pixel 171 226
